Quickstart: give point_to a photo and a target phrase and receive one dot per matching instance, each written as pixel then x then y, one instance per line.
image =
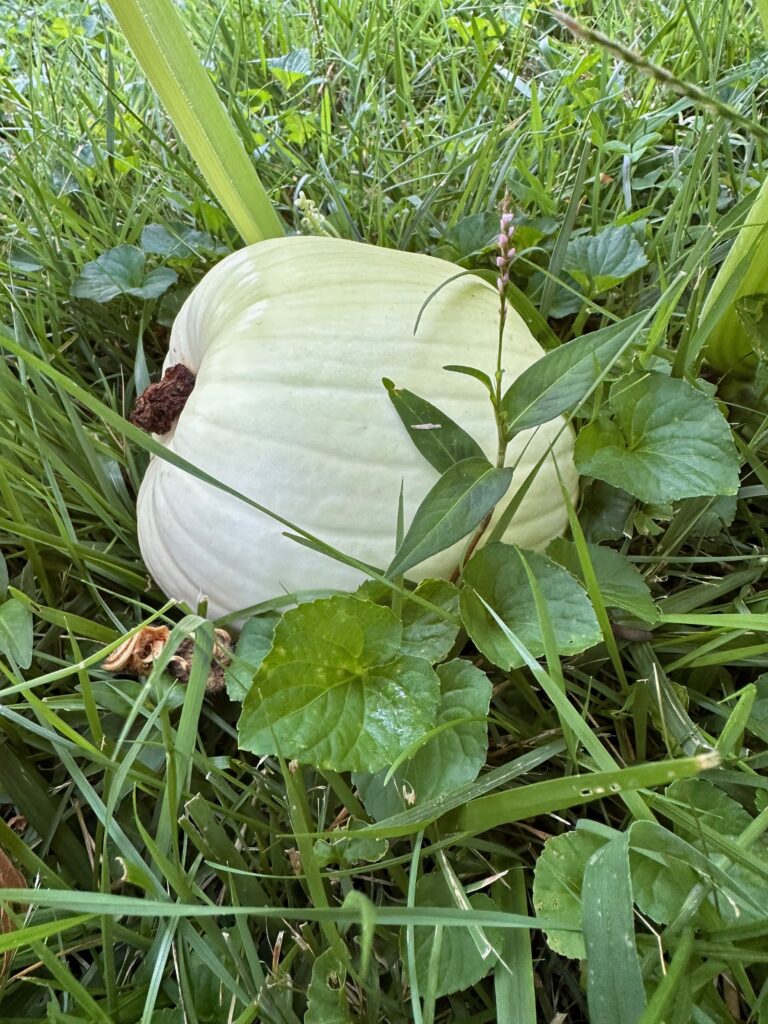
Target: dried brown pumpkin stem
pixel 158 407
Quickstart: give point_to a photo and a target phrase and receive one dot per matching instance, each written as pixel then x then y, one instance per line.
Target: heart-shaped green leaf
pixel 120 271
pixel 335 691
pixel 666 441
pixel 497 575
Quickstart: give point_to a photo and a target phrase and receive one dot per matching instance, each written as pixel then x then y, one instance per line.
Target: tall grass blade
pixel 157 37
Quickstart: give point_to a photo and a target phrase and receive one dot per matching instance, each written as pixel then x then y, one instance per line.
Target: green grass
pixel 183 878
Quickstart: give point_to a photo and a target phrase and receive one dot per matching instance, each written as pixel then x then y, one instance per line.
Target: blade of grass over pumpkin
pixel 157 36
pixel 149 444
pixel 557 795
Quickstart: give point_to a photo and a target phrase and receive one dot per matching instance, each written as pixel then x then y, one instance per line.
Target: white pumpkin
pixel 289 340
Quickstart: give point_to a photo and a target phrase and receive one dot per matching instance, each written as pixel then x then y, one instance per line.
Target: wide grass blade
pixel 614 980
pixel 558 794
pixel 156 35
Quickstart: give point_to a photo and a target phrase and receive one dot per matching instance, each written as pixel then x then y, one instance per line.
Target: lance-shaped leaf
pixel 457 503
pixel 561 379
pixel 442 442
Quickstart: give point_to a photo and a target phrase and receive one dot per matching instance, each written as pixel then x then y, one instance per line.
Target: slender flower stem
pixel 503 261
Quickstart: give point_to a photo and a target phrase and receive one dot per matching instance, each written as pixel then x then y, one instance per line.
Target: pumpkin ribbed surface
pixel 289 340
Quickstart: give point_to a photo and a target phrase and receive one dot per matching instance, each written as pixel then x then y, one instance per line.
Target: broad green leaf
pixel 615 990
pixel 712 807
pixel 156 35
pixel 290 67
pixel 334 690
pixel 666 441
pixel 442 442
pixel 16 632
pixel 496 573
pixel 120 271
pixel 661 885
pixel 155 283
pixel 561 379
pixel 678 862
pixel 600 262
pixel 557 882
pixel 169 306
pixel 254 643
pixel 621 585
pixel 717 516
pixel 427 634
pixel 326 996
pixel 457 503
pixel 565 298
pixel 753 315
pixel 471 236
pixel 176 239
pixel 347 849
pixel 452 758
pixel 460 963
pixel 605 512
pixel 3 577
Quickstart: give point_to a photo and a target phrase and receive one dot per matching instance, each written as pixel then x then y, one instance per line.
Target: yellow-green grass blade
pixel 556 795
pixel 157 37
pixel 762 10
pixel 744 269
